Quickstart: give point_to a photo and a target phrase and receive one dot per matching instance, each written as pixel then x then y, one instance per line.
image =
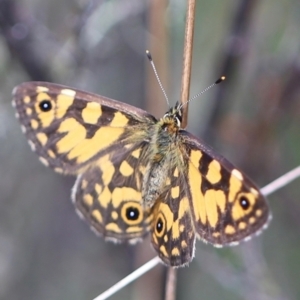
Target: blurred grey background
pixel 253 119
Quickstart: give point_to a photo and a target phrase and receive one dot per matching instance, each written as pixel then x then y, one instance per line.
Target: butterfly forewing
pixel 69 128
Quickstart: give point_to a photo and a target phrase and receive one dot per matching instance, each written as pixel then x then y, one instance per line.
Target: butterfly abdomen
pixel 154 182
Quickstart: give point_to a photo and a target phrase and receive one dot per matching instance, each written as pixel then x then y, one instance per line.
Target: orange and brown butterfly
pixel 137 174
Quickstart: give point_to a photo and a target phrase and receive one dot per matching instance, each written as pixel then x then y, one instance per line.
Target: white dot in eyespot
pixel 17 115
pixel 23 128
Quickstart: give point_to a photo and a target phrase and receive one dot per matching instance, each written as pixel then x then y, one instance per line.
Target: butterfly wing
pixel 226 206
pixel 108 195
pixel 173 232
pixel 69 128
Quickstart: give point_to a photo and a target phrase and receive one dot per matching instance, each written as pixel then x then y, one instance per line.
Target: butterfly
pixel 137 174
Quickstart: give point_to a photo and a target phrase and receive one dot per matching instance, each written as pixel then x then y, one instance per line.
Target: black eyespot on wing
pixel 159 225
pixel 244 202
pixel 132 213
pixel 45 105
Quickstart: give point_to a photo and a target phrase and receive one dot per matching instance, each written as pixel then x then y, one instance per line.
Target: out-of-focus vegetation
pixel 253 118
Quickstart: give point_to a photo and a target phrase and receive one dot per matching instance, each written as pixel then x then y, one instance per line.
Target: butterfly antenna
pixel 156 75
pixel 205 90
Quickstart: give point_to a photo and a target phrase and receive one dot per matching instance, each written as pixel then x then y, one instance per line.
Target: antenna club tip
pixel 220 79
pixel 149 55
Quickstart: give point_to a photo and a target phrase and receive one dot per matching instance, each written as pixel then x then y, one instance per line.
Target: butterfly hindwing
pixel 172 233
pixel 108 196
pixel 69 128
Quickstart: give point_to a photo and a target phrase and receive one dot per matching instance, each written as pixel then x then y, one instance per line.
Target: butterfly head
pixel 174 116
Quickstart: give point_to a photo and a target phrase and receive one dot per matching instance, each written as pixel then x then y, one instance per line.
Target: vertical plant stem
pixel 187 58
pixel 171 284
